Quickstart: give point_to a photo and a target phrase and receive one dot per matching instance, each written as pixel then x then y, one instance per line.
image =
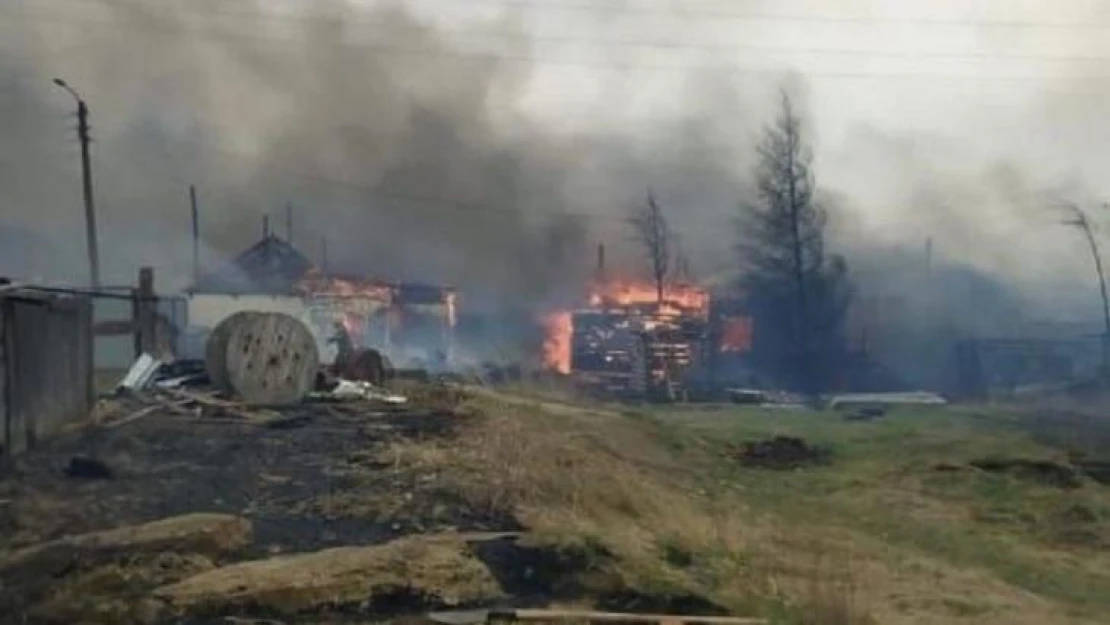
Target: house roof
pixel 271 266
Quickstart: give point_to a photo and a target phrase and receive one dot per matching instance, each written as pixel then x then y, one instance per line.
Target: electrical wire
pixel 626 65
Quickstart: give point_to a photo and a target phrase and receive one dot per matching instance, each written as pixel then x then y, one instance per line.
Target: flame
pixel 316 283
pixel 559 329
pixel 354 326
pixel 633 298
pixel 678 298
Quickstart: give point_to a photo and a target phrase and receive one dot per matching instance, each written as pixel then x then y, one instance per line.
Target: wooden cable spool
pixel 215 349
pixel 268 358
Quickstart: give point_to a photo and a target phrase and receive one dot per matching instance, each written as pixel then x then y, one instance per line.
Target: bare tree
pixel 654 233
pixel 800 293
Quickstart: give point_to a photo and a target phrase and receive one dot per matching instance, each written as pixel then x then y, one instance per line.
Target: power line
pixel 626 66
pixel 640 44
pixel 703 12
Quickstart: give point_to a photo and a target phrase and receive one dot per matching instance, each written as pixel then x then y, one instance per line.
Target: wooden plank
pixel 618 617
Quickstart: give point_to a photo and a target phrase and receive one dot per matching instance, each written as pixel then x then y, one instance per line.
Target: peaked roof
pixel 271 266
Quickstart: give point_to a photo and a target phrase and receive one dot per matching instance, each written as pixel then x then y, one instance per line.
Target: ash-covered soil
pixel 323 477
pixel 322 480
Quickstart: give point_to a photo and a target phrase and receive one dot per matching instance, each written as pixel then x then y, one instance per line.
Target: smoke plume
pixel 491 146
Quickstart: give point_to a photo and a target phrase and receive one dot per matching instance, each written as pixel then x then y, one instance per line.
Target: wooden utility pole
pixel 87 188
pixel 196 231
pixel 324 254
pixel 265 226
pixel 289 223
pixel 86 183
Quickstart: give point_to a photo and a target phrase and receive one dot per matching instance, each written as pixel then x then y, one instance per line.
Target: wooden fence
pixel 46 365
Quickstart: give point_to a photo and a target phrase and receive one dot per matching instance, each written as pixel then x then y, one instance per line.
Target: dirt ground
pixel 321 479
pixel 166 466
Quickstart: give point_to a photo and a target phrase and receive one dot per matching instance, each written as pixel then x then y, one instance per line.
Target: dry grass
pixel 435 569
pixel 599 481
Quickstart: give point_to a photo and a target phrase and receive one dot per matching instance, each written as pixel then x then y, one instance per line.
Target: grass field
pixel 924 516
pixel 898 527
pixel 903 489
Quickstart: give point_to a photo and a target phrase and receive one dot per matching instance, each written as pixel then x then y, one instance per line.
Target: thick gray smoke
pixel 401 149
pixel 419 153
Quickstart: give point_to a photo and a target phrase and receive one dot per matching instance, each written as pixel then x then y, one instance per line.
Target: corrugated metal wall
pixel 46 366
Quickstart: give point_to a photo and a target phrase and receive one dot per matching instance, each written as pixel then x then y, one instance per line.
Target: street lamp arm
pixel 73 92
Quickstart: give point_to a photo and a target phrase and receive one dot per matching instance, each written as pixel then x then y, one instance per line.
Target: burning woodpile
pixel 629 340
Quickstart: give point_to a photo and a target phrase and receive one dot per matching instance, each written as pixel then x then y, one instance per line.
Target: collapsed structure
pixel 626 340
pixel 407 322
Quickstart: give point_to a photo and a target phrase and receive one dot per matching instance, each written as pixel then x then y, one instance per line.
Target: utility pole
pixel 1081 221
pixel 87 183
pixel 324 254
pixel 289 223
pixel 196 231
pixel 929 259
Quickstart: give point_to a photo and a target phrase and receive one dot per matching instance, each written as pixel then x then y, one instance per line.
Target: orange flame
pixel 354 326
pixel 559 329
pixel 678 298
pixel 317 283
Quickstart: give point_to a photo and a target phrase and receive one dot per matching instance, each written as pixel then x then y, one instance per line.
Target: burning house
pixel 407 322
pixel 625 341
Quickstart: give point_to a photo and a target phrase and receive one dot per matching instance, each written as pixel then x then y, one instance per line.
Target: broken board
pixel 271 359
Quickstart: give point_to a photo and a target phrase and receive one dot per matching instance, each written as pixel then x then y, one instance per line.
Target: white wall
pixel 207 310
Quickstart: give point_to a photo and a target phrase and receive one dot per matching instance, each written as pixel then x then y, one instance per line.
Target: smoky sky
pixel 411 166
pixel 422 154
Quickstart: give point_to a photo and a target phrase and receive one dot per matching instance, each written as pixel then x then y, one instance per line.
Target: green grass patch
pixel 907 480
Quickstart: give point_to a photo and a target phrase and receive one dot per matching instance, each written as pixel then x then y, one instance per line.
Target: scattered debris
pixel 352 389
pixel 916 398
pixel 89 468
pixel 748 397
pixel 1044 472
pixel 780 452
pixel 141 373
pixel 765 398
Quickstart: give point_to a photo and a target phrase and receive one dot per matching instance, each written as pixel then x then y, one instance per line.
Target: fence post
pixel 145 314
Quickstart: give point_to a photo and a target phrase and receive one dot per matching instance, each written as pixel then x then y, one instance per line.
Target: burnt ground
pixel 316 482
pixel 325 475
